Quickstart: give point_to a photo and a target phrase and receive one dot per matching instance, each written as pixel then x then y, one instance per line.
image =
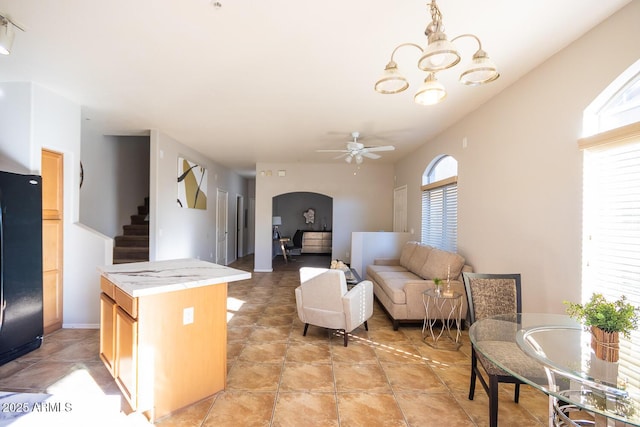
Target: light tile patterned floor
pixel 277 377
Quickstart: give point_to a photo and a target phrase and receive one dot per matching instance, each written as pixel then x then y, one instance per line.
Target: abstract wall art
pixel 192 185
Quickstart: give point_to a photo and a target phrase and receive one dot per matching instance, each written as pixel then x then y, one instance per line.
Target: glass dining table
pixel 570 374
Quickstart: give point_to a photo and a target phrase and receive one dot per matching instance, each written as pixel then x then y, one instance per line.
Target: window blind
pixel 440 215
pixel 611 224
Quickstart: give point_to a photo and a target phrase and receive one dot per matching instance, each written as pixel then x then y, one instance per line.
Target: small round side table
pixel 447 307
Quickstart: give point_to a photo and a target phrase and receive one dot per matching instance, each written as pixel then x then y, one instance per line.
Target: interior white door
pixel 240 221
pixel 251 221
pixel 222 231
pixel 400 209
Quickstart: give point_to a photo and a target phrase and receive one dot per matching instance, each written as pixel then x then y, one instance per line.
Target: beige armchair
pixel 323 300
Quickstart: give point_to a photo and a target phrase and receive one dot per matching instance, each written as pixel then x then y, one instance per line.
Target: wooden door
pixel 52 241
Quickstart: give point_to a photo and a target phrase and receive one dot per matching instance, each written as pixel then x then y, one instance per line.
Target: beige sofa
pixel 398 284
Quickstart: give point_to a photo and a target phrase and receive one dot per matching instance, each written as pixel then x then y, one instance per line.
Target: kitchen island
pixel 163 331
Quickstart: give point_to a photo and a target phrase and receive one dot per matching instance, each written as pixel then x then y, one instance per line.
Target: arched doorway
pixel 305 218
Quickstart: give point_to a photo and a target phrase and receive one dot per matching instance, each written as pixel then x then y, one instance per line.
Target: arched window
pixel 618 105
pixel 440 204
pixel 611 201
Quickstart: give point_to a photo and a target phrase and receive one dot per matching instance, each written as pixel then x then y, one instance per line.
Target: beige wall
pixel 32 118
pixel 177 232
pixel 361 202
pixel 520 175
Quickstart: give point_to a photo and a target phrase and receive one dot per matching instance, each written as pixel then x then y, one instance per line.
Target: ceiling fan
pixel 356 150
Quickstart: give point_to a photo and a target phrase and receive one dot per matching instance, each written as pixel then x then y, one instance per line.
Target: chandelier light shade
pixel 391 81
pixel 7 34
pixel 439 54
pixel 431 92
pixel 481 70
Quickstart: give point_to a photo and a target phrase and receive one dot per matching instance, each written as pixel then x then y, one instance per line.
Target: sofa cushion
pixel 418 258
pixel 392 284
pixel 407 251
pixel 440 263
pixel 373 271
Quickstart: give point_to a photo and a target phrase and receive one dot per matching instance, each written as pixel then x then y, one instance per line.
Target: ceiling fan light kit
pixel 439 54
pixel 357 151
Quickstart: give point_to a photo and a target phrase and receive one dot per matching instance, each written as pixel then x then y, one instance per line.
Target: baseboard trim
pixel 81 326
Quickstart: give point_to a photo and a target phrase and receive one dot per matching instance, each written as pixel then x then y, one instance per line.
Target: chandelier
pixel 7 34
pixel 439 54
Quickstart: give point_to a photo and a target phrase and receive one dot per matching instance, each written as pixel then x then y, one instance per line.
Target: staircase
pixel 133 245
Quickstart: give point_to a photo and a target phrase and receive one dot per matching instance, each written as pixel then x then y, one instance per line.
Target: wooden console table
pixel 316 242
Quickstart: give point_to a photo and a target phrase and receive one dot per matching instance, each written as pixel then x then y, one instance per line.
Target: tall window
pixel 440 204
pixel 611 210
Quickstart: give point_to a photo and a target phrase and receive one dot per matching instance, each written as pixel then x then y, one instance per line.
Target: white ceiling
pixel 258 81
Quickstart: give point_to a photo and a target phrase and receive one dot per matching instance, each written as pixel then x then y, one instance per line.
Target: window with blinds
pixel 440 217
pixel 611 227
pixel 440 204
pixel 611 204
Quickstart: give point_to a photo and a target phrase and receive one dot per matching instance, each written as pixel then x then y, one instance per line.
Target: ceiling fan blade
pixel 332 151
pixel 370 155
pixel 381 148
pixel 341 156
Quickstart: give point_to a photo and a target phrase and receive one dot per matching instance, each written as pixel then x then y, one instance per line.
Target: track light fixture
pixel 7 34
pixel 439 54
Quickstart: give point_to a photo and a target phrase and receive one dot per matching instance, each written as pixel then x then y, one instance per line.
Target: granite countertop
pixel 148 278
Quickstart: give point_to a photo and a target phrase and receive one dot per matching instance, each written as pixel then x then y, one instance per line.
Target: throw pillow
pixel 440 263
pixel 419 258
pixel 405 254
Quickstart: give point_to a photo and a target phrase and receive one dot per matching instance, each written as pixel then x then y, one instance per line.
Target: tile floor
pixel 277 377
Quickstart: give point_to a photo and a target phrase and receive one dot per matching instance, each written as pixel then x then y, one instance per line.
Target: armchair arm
pixel 358 305
pixel 299 306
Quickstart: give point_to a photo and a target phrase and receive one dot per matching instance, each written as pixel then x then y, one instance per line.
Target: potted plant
pixel 438 283
pixel 606 320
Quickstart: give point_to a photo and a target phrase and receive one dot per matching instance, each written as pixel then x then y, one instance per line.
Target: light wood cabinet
pixel 107 332
pixel 166 350
pixel 316 242
pixel 126 357
pixel 52 239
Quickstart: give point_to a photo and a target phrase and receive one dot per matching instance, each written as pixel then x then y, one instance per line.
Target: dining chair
pixel 491 295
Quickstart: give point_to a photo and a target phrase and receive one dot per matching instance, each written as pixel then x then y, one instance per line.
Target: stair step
pixel 127 260
pixel 139 219
pixel 143 210
pixel 132 253
pixel 132 241
pixel 136 230
pixel 133 245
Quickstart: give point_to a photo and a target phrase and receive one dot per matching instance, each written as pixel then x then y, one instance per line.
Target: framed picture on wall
pixel 192 185
pixel 309 216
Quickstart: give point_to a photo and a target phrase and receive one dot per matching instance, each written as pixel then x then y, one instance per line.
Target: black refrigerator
pixel 20 265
